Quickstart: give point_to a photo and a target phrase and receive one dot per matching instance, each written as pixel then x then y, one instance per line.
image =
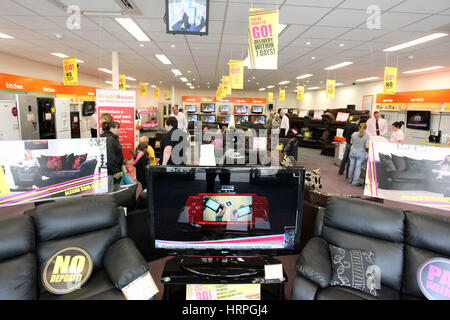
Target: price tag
pixel 143 288
pixel 273 271
pixel 307 134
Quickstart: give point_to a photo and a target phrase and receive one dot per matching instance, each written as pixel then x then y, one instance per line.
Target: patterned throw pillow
pixel 313 180
pixel 354 268
pixel 414 165
pixel 78 161
pixel 399 162
pixel 387 160
pixel 55 163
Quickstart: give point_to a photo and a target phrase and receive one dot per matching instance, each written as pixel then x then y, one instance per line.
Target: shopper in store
pixel 360 142
pixel 181 118
pixel 377 126
pixel 92 121
pixel 269 122
pixel 140 163
pixel 397 134
pixel 349 129
pixel 172 138
pixel 284 126
pixel 150 150
pixel 276 122
pixel 113 151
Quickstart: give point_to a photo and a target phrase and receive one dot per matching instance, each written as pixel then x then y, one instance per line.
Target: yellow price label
pixel 306 134
pixel 280 147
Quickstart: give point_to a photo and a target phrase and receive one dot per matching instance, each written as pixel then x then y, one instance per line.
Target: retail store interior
pixel 133 59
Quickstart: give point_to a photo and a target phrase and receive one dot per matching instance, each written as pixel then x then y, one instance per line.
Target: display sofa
pixel 93 223
pixel 401 241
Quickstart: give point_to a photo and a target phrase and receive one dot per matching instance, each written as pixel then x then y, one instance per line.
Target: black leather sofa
pixel 401 240
pixel 93 223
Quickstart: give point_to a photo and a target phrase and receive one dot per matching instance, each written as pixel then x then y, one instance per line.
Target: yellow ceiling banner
pixel 263 39
pixel 269 96
pixel 156 92
pixel 331 88
pixel 282 95
pixel 300 92
pixel 142 88
pixel 166 94
pixel 219 94
pixel 70 71
pixel 390 80
pixel 122 82
pixel 226 85
pixel 237 74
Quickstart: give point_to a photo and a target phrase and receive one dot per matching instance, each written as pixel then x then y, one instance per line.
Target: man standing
pixel 284 126
pixel 349 129
pixel 269 122
pixel 181 118
pixel 377 126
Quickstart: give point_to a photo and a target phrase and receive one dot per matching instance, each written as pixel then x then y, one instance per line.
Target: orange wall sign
pixel 426 96
pixel 19 83
pixel 188 99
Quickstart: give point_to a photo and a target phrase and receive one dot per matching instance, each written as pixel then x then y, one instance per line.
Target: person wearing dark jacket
pixel 349 129
pixel 140 163
pixel 113 148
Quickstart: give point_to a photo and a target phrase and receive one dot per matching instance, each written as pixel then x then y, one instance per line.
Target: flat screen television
pixel 187 17
pixel 88 108
pixel 257 109
pixel 241 119
pixel 224 119
pixel 419 120
pixel 259 119
pixel 191 108
pixel 225 108
pixel 207 107
pixel 209 118
pixel 192 117
pixel 255 211
pixel 239 109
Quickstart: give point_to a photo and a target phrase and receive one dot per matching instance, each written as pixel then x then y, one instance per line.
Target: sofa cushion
pixel 409 175
pixel 387 161
pixel 399 162
pixel 55 162
pixel 64 174
pixel 313 180
pixel 351 268
pixel 345 293
pixel 414 165
pixel 67 165
pixel 16 237
pixel 78 161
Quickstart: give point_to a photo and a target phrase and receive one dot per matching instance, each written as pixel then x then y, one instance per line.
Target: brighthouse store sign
pixel 67 270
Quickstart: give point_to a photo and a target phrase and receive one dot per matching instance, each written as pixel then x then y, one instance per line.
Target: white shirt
pixel 182 121
pixel 92 121
pixel 285 123
pixel 371 126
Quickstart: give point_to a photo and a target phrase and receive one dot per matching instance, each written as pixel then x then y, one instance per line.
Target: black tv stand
pixel 181 271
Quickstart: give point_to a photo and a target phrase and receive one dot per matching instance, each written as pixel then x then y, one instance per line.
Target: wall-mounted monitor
pixel 187 16
pixel 209 118
pixel 208 107
pixel 241 119
pixel 191 108
pixel 225 108
pixel 192 117
pixel 224 119
pixel 257 109
pixel 419 120
pixel 240 109
pixel 88 108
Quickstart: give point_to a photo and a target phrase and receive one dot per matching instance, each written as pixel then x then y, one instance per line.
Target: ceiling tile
pixel 353 18
pixel 364 4
pixel 322 32
pixel 10 8
pixel 301 15
pixel 414 6
pixel 394 20
pixel 314 3
pixel 428 24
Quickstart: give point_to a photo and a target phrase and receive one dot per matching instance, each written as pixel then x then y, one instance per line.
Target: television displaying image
pixel 225 108
pixel 187 16
pixel 419 120
pixel 238 109
pixel 192 117
pixel 259 119
pixel 224 119
pixel 207 107
pixel 191 108
pixel 241 119
pixel 88 108
pixel 209 118
pixel 257 109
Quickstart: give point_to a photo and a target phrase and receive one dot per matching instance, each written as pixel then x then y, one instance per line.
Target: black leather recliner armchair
pixel 401 241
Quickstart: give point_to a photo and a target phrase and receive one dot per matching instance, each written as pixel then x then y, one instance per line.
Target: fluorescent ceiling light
pixel 366 79
pixel 133 28
pixel 270 87
pixel 176 72
pixel 105 70
pixel 102 13
pixel 284 82
pixel 163 58
pixel 109 82
pixel 304 76
pixel 62 55
pixel 130 78
pixel 153 86
pixel 339 84
pixel 262 89
pixel 313 88
pixel 281 27
pixel 5 36
pixel 340 65
pixel 189 84
pixel 416 42
pixel 424 69
pixel 184 79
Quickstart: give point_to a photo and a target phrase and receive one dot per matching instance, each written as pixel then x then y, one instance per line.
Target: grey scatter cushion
pixel 399 162
pixel 353 268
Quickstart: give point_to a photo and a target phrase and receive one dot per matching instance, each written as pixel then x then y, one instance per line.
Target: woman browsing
pixel 360 142
pixel 397 134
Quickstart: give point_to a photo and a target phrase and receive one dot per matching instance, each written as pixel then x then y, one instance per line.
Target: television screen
pixel 187 16
pixel 208 107
pixel 255 211
pixel 88 108
pixel 192 117
pixel 240 109
pixel 224 108
pixel 209 118
pixel 257 109
pixel 241 119
pixel 191 108
pixel 418 120
pixel 260 119
pixel 225 119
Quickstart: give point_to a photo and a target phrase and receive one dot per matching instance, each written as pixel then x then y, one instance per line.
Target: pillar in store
pixel 115 70
pixel 172 99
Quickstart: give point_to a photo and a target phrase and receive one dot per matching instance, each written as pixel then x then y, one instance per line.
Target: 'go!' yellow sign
pixel 67 270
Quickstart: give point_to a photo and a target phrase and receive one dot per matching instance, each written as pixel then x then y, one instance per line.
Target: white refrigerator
pixel 62 118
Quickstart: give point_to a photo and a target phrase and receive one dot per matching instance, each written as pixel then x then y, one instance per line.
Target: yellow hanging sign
pixel 166 94
pixel 331 88
pixel 142 88
pixel 269 96
pixel 237 74
pixel 390 80
pixel 219 94
pixel 4 188
pixel 70 71
pixel 226 85
pixel 156 92
pixel 300 92
pixel 122 82
pixel 282 95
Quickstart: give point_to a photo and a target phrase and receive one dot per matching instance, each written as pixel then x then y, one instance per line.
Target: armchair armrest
pixel 124 263
pixel 314 262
